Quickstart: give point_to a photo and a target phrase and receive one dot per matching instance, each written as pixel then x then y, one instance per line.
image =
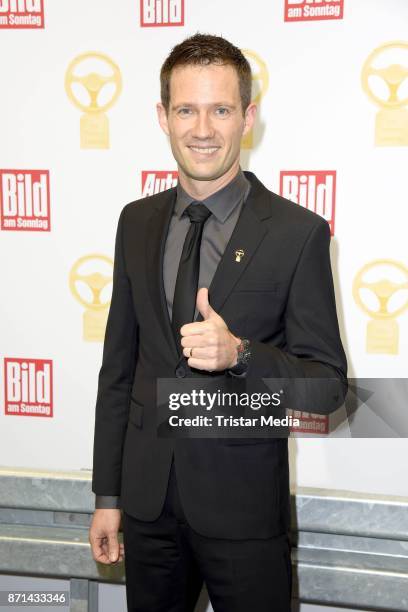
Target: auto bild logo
pixel 313 10
pixel 155 181
pixel 28 387
pixel 157 13
pixel 25 200
pixel 18 14
pixel 313 189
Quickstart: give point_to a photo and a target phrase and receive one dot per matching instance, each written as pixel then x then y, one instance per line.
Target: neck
pixel 200 190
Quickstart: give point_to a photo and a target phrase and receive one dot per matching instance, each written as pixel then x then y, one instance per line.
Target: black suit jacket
pixel 280 296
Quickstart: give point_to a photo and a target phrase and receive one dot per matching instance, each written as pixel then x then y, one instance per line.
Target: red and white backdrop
pixel 80 138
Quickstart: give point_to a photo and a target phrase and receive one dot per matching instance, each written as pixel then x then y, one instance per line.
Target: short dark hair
pixel 204 49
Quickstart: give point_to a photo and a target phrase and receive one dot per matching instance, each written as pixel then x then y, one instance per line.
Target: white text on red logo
pixel 17 14
pixel 315 190
pixel 309 423
pixel 28 387
pixel 155 181
pixel 24 199
pixel 156 13
pixel 312 10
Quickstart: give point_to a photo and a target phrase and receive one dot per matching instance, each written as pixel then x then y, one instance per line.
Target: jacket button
pixel 180 372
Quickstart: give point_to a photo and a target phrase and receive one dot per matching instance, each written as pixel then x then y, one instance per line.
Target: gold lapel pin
pixel 239 254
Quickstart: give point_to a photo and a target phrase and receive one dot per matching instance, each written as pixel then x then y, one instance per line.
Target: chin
pixel 204 174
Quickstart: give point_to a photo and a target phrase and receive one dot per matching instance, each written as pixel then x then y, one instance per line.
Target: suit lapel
pixel 157 228
pixel 246 237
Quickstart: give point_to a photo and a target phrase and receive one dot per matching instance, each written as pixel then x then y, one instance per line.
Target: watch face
pixel 244 351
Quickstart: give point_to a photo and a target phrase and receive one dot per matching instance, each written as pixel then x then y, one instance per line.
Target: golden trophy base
pixel 94 131
pixel 94 325
pixel 382 337
pixel 391 128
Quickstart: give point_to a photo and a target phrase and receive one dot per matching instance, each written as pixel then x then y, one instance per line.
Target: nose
pixel 203 128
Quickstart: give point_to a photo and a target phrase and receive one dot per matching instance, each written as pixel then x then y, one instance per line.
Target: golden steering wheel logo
pixel 380 289
pixel 90 289
pixel 383 79
pixel 94 93
pixel 260 84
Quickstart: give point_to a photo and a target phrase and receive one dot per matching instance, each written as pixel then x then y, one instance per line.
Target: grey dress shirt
pixel 225 205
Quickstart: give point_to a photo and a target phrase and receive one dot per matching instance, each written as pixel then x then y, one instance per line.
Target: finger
pixel 198 353
pixel 195 341
pixel 99 551
pixel 191 329
pixel 202 303
pixel 113 546
pixel 202 364
pixel 102 557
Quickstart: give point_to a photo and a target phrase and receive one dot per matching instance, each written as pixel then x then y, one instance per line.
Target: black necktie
pixel 185 292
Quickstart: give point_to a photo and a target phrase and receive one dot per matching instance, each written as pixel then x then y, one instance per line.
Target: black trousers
pixel 166 563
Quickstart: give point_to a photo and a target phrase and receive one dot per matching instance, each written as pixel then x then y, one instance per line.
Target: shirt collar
pixel 222 202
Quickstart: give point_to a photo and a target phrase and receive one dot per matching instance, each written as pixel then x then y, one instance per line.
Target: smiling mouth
pixel 204 150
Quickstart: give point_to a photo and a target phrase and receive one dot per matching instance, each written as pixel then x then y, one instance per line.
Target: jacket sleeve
pixel 111 502
pixel 115 378
pixel 314 354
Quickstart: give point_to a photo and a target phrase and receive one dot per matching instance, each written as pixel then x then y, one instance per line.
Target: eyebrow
pixel 176 106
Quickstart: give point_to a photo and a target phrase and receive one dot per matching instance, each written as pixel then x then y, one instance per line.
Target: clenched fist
pixel 214 346
pixel 103 536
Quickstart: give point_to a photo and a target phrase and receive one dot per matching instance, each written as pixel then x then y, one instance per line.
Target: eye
pixel 184 111
pixel 222 111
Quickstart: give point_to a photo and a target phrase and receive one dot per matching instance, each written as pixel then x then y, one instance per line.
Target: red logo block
pixel 315 190
pixel 18 14
pixel 24 200
pixel 28 387
pixel 309 423
pixel 155 181
pixel 157 13
pixel 313 10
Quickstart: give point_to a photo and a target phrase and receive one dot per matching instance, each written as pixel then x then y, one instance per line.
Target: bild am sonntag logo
pixel 159 13
pixel 313 189
pixel 313 10
pixel 19 14
pixel 25 200
pixel 28 387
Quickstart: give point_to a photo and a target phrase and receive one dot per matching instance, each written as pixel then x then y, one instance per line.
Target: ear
pixel 162 117
pixel 249 118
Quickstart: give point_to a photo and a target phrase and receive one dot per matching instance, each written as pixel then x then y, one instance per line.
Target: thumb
pixel 203 305
pixel 113 547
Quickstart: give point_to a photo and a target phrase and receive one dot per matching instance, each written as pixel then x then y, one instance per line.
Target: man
pixel 216 279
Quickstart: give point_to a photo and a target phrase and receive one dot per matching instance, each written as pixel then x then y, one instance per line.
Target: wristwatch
pixel 243 356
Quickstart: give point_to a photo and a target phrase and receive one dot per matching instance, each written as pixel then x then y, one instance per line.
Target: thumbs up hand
pixel 213 346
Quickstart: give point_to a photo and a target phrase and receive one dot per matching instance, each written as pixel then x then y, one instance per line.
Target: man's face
pixel 205 121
